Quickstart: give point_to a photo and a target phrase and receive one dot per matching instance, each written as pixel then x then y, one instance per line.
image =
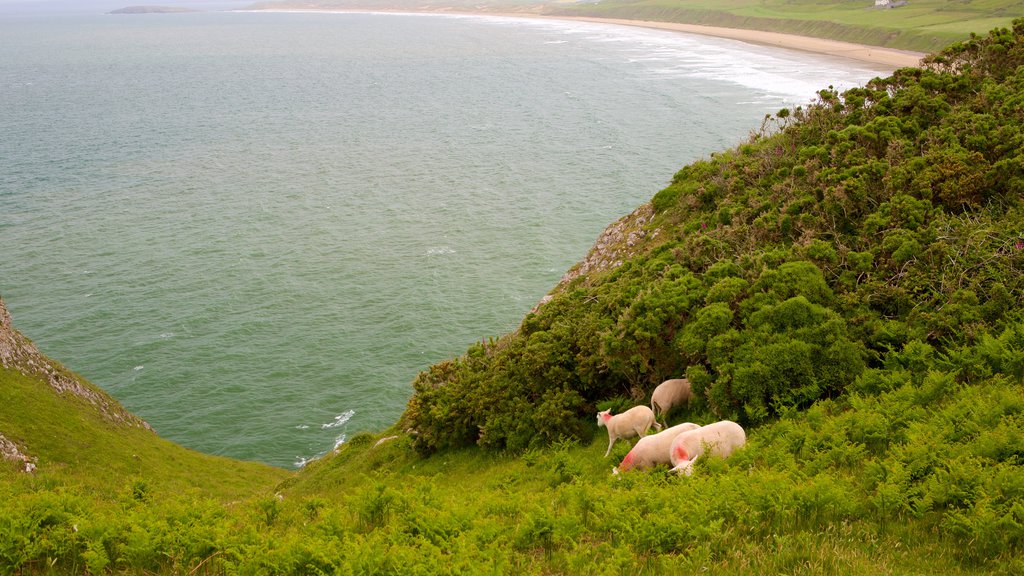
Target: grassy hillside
pixel 847 284
pixel 921 25
pixel 91 461
pixel 69 430
pixel 69 442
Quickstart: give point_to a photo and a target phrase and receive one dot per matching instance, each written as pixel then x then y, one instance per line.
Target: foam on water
pixel 778 73
pixel 340 420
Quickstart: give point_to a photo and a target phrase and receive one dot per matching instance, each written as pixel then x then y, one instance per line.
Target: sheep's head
pixel 684 468
pixel 603 417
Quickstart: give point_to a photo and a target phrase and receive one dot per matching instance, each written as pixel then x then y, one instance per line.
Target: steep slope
pixel 57 426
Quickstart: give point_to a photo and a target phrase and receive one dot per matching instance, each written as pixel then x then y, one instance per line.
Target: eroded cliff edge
pixel 19 353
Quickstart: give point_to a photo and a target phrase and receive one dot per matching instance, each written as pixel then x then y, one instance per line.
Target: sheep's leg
pixel 659 414
pixel 611 441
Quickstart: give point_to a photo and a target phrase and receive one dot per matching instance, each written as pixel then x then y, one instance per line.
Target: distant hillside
pixel 920 25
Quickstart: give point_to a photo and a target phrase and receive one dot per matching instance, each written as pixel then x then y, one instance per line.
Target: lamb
pixel 654 449
pixel 633 422
pixel 669 394
pixel 718 439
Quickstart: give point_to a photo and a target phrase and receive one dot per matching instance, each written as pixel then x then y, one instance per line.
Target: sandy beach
pixel 864 53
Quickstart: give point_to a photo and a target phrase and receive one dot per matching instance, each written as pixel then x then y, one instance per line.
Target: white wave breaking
pixel 339 420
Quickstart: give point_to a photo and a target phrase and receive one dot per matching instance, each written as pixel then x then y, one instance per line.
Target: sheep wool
pixel 718 439
pixel 633 422
pixel 654 449
pixel 669 394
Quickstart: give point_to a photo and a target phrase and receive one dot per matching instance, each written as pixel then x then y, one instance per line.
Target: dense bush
pixel 776 273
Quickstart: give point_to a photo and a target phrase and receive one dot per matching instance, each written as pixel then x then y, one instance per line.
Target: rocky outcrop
pixel 614 245
pixel 9 451
pixel 18 353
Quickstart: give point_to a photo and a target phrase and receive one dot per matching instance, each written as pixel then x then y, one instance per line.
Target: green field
pixel 922 25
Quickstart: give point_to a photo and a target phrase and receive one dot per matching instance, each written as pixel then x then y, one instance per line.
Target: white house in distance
pixel 890 3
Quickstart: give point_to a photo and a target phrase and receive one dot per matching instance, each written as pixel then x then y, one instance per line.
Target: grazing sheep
pixel 718 439
pixel 654 449
pixel 669 394
pixel 633 422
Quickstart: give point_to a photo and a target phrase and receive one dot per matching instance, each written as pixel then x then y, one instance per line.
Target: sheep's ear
pixel 689 467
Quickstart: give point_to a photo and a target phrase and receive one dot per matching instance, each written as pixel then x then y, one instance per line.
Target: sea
pixel 255 229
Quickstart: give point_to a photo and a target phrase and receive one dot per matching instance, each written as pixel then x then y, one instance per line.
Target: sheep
pixel 652 450
pixel 718 439
pixel 633 422
pixel 669 394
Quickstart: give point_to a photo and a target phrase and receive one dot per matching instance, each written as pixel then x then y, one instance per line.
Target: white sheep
pixel 633 422
pixel 718 439
pixel 669 394
pixel 654 449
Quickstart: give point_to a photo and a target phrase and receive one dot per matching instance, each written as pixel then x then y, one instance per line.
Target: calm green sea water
pixel 255 229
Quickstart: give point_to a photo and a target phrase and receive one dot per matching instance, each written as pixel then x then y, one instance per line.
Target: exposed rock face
pixel 614 244
pixel 10 451
pixel 17 352
pixel 612 247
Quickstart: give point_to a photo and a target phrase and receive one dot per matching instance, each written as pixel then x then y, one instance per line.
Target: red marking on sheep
pixel 681 453
pixel 627 462
pixel 606 416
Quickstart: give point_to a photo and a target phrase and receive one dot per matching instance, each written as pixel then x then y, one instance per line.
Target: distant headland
pixel 151 10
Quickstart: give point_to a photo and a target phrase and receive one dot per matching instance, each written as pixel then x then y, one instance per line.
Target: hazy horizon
pixel 103 6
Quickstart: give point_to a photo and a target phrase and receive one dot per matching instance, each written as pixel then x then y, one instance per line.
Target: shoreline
pixel 889 57
pixel 861 52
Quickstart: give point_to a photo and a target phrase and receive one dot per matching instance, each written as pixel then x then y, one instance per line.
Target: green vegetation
pixel 73 444
pixel 847 284
pixel 918 25
pixel 922 25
